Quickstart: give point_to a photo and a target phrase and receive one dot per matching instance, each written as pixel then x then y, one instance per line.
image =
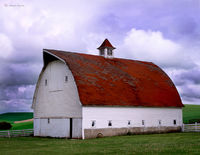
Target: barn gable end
pixel 56 100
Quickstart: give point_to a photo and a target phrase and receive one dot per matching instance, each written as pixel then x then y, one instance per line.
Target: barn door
pixel 70 128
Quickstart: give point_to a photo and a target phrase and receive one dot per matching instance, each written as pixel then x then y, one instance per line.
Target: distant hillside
pixel 15 116
pixel 191 112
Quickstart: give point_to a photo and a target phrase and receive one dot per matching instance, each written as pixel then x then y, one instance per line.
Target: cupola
pixel 106 49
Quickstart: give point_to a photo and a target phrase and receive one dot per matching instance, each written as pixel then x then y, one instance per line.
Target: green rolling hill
pixel 191 112
pixel 18 116
pixel 15 116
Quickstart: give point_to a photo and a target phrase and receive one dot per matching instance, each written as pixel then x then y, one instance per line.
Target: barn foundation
pixel 105 132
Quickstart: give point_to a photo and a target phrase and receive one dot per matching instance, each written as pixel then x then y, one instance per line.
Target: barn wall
pixel 57 127
pixel 36 126
pixel 77 128
pixel 59 98
pixel 119 116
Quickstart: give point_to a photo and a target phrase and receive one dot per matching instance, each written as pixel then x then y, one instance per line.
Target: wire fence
pixel 16 133
pixel 191 127
pixel 29 132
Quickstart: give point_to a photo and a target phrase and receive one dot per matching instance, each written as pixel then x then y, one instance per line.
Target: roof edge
pixel 127 106
pixel 45 50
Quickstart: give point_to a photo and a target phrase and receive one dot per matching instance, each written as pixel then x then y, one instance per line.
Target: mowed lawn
pixel 172 143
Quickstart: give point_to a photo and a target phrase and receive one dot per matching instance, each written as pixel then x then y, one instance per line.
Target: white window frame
pixel 159 122
pixel 93 121
pixel 175 122
pixel 129 123
pixel 143 122
pixel 110 122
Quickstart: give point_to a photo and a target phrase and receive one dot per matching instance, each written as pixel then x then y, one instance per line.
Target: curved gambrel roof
pixel 119 82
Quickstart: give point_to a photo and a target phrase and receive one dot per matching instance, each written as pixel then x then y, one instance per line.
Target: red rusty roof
pixel 119 82
pixel 106 43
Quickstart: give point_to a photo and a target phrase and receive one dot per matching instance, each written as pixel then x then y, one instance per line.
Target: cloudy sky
pixel 165 32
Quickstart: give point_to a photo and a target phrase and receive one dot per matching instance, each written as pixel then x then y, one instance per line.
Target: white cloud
pixel 81 26
pixel 152 46
pixel 6 46
pixel 187 83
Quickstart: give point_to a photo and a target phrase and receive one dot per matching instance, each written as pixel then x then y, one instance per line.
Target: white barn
pixel 87 96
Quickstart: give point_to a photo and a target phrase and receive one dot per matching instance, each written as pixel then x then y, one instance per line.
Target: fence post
pixel 196 126
pixel 8 133
pixel 183 127
pixel 23 132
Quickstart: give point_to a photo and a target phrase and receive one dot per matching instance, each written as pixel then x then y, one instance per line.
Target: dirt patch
pixel 28 120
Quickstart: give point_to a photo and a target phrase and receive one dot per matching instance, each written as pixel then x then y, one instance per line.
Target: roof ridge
pixel 99 56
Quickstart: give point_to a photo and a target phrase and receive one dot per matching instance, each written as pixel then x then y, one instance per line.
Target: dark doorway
pixel 71 127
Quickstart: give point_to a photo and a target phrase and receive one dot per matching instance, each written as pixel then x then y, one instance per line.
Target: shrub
pixel 191 121
pixel 5 126
pixel 129 133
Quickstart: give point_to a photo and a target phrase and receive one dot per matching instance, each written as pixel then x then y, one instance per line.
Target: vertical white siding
pixel 59 127
pixel 120 116
pixel 36 127
pixel 55 128
pixel 58 98
pixel 77 128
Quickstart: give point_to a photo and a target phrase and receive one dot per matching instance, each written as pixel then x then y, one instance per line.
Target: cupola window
pixel 102 52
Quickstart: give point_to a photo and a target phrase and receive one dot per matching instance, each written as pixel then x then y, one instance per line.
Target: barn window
pixel 109 52
pixel 48 120
pixel 143 122
pixel 45 82
pixel 129 122
pixel 159 122
pixel 93 123
pixel 174 122
pixel 66 78
pixel 109 123
pixel 102 52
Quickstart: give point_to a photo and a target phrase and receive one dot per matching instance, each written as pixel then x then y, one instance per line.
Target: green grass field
pixel 191 112
pixel 155 144
pixel 20 126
